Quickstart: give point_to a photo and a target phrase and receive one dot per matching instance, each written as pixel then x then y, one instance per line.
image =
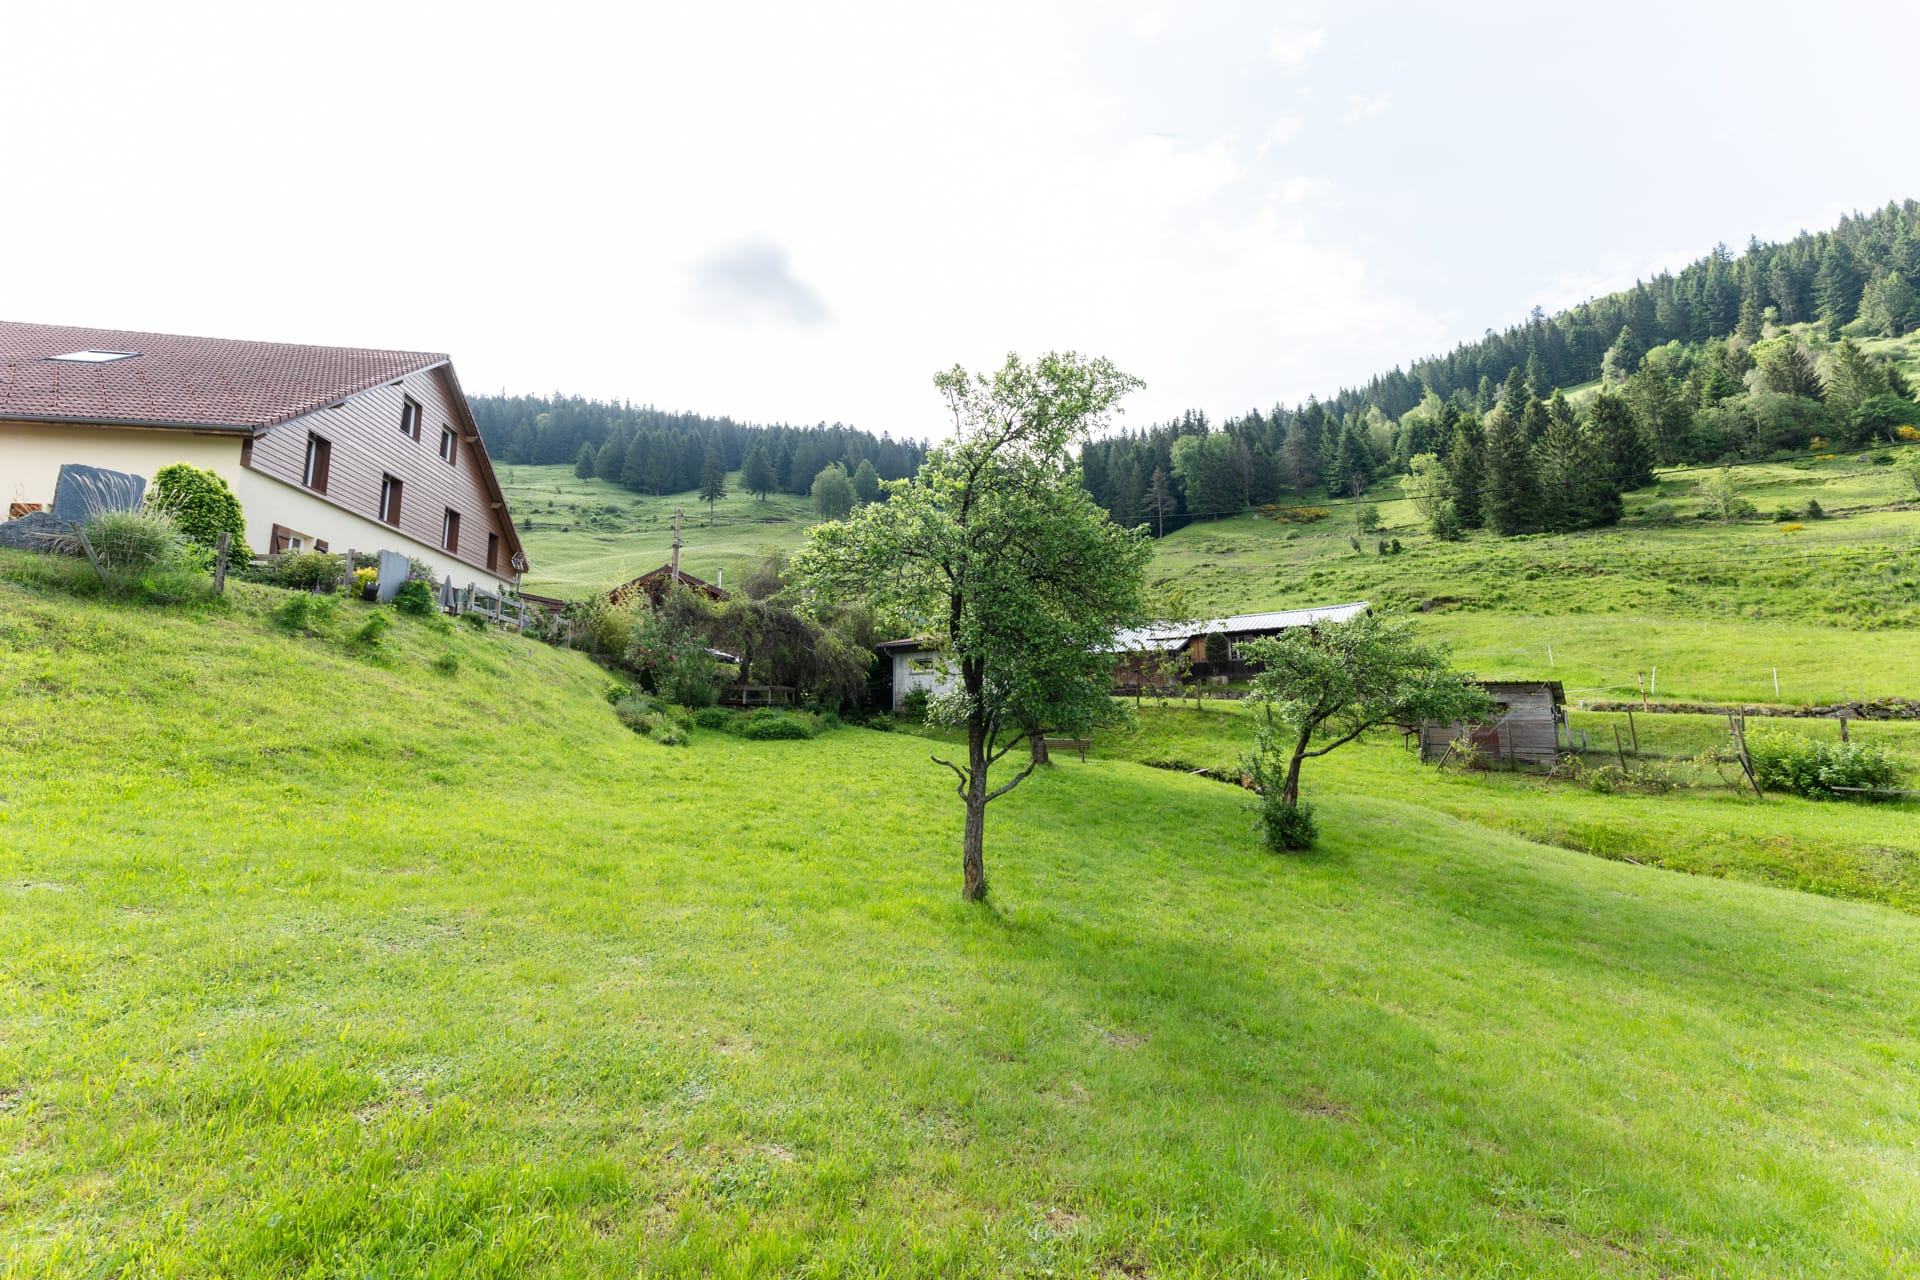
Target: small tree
pixel 1003 558
pixel 1721 493
pixel 713 480
pixel 1330 684
pixel 1217 650
pixel 583 463
pixel 1366 517
pixel 832 493
pixel 202 506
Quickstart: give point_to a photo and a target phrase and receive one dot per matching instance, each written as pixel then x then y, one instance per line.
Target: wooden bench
pixel 1047 745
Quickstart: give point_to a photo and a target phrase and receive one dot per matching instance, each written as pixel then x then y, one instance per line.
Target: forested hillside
pixel 1734 357
pixel 654 451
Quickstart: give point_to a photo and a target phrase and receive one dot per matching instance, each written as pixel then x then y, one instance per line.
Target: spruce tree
pixel 583 463
pixel 1160 501
pixel 1622 451
pixel 633 471
pixel 1467 470
pixel 866 482
pixel 1512 497
pixel 611 458
pixel 756 472
pixel 713 478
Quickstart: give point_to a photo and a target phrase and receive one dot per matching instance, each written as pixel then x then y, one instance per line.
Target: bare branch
pixel 1018 778
pixel 958 772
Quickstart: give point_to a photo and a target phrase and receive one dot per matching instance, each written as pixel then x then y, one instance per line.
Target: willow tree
pixel 997 553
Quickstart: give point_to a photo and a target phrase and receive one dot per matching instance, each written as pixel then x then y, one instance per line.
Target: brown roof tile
pixel 215 382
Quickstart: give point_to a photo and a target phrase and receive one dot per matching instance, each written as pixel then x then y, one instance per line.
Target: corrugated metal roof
pixel 1170 634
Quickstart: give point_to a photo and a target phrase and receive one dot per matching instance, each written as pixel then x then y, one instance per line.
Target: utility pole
pixel 676 544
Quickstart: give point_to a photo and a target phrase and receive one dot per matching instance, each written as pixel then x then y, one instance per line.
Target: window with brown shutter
pixel 446 445
pixel 390 487
pixel 493 551
pixel 319 463
pixel 410 417
pixel 450 531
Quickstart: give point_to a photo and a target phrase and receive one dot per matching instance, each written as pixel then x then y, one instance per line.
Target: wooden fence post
pixel 86 545
pixel 220 564
pixel 1633 731
pixel 1618 749
pixel 1843 726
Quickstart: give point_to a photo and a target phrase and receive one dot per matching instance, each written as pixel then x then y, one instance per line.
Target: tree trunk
pixel 1290 793
pixel 973 866
pixel 1038 745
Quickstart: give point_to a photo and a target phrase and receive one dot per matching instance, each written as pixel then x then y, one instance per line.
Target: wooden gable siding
pixel 367 445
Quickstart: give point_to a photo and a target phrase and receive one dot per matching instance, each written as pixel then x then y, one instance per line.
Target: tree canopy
pixel 999 557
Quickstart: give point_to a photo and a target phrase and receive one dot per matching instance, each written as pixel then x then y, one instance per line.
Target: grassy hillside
pixel 321 960
pixel 585 535
pixel 1716 608
pixel 1708 610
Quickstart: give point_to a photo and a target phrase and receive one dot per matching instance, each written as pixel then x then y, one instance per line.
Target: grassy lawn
pixel 587 535
pixel 1865 852
pixel 331 963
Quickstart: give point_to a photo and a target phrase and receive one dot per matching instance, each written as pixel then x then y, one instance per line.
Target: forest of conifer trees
pixel 653 451
pixel 1733 357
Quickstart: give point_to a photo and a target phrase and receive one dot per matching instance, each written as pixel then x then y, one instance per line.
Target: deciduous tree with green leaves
pixel 1331 683
pixel 997 553
pixel 832 492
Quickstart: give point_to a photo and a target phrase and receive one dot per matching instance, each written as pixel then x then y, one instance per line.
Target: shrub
pixel 304 612
pixel 1815 511
pixel 1804 766
pixel 767 726
pixel 671 659
pixel 1286 828
pixel 880 723
pixel 1785 514
pixel 713 718
pixel 1294 515
pixel 415 598
pixel 1366 517
pixel 913 707
pixel 447 664
pixel 636 712
pixel 476 621
pixel 137 546
pixel 670 735
pixel 373 630
pixel 303 570
pixel 1216 647
pixel 202 505
pixel 1446 524
pixel 1792 526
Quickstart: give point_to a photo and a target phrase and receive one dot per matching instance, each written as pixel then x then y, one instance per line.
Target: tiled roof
pixel 207 382
pixel 1238 624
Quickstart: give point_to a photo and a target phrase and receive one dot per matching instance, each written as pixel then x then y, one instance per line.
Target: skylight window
pixel 91 356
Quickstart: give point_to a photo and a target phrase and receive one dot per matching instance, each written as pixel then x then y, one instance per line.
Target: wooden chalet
pixel 1145 655
pixel 655 584
pixel 1526 728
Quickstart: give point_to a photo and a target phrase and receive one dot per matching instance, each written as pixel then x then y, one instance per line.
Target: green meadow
pixel 324 959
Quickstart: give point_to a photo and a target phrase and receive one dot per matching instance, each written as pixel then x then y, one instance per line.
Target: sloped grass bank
pixel 322 965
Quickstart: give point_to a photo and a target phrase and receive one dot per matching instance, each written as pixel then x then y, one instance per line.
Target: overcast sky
pixel 800 211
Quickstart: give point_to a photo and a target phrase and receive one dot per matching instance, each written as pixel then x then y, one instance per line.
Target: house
pixel 1525 730
pixel 655 582
pixel 1147 655
pixel 917 664
pixel 327 448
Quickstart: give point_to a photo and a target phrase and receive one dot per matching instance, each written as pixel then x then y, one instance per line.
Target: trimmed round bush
pixel 713 718
pixel 202 505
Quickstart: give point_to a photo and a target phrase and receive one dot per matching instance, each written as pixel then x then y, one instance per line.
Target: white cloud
pixel 754 280
pixel 1363 106
pixel 1284 130
pixel 1294 48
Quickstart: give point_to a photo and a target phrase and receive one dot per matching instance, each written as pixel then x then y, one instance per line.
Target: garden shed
pixel 1526 728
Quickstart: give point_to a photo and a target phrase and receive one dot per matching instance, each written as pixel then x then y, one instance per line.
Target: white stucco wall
pixel 31 455
pixel 921 669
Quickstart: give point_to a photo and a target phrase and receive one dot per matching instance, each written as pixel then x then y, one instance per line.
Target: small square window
pixel 91 356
